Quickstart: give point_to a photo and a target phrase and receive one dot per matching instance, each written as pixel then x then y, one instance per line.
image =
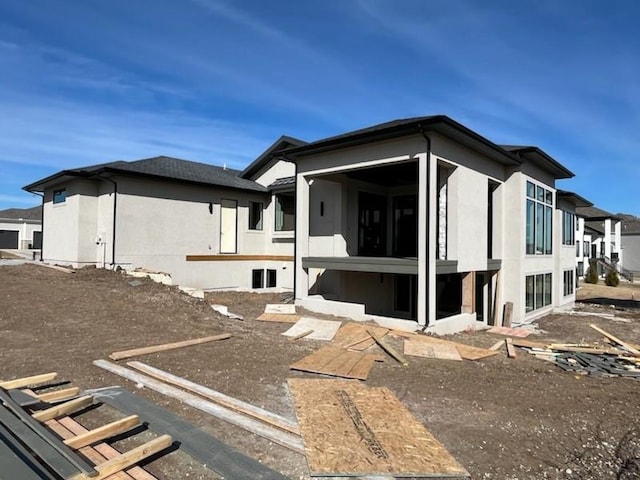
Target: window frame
pixel 281 216
pixel 538 291
pixel 539 206
pixel 254 208
pixel 569 283
pixel 57 193
pixel 568 228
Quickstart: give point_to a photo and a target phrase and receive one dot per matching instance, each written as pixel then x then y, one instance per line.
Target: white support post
pixel 423 238
pixel 617 238
pixel 607 238
pixel 301 237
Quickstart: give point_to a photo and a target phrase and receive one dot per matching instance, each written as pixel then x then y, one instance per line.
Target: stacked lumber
pixel 612 358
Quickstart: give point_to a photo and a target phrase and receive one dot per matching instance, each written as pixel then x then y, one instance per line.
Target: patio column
pixel 617 238
pixel 427 189
pixel 607 238
pixel 301 287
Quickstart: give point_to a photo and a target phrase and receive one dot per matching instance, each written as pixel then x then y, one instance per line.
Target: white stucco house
pixel 207 226
pixel 631 244
pixel 420 221
pixel 20 228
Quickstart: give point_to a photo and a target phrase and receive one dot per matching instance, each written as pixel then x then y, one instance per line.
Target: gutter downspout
pixel 41 224
pixel 115 209
pixel 428 283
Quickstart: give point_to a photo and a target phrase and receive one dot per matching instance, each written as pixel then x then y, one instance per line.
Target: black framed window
pixel 60 196
pixel 255 215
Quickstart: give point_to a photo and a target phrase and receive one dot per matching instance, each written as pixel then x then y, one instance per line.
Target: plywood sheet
pixel 431 350
pixel 512 332
pixel 285 308
pixel 338 362
pixel 278 317
pixel 322 329
pixel 349 429
pixel 467 352
pixel 355 336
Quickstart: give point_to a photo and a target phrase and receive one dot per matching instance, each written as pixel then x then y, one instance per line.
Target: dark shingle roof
pixel 166 168
pixel 282 183
pixel 594 213
pixel 578 200
pixel 34 213
pixel 630 225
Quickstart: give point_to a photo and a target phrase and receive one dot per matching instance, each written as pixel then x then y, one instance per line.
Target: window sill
pixel 283 234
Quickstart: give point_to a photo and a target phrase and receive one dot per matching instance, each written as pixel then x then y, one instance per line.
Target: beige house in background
pixel 420 222
pixel 20 228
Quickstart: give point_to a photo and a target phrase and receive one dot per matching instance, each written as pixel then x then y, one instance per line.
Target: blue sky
pixel 90 81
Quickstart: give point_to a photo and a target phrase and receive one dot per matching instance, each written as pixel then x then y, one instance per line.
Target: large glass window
pixel 538 291
pixel 285 212
pixel 568 228
pixel 569 284
pixel 539 227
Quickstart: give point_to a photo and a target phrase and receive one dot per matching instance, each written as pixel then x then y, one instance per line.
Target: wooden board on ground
pixel 428 350
pixel 511 332
pixel 322 329
pixel 167 346
pixel 467 352
pixel 352 430
pixel 354 336
pixel 338 362
pixel 278 317
pixel 282 308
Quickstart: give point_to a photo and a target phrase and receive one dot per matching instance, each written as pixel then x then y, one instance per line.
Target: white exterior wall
pixel 565 258
pixel 274 170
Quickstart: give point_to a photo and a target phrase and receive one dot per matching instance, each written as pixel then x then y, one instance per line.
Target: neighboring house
pixel 631 243
pixel 20 228
pixel 207 226
pixel 420 221
pixel 425 220
pixel 601 235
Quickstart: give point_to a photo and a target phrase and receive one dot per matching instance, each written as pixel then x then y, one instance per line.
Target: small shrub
pixel 612 279
pixel 592 273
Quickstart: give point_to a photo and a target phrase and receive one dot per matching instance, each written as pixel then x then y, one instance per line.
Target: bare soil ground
pixel 501 418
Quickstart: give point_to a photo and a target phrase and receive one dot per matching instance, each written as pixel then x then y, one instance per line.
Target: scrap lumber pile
pixel 612 358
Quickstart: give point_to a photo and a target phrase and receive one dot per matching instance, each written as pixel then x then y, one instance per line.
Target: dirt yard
pixel 501 418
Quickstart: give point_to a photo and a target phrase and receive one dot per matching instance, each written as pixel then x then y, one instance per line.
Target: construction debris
pixel 282 308
pixel 224 310
pixel 427 350
pixel 356 336
pixel 166 346
pixel 322 329
pixel 278 318
pixel 337 362
pixel 353 430
pixel 387 348
pixel 512 332
pixel 467 352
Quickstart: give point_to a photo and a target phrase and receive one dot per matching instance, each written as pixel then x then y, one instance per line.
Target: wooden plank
pixel 105 431
pixel 467 352
pixel 469 292
pixel 497 346
pixel 508 314
pixel 511 351
pixel 278 317
pixel 129 458
pixel 388 348
pixel 300 335
pixel 251 425
pixel 354 336
pixel 624 344
pixel 206 449
pixel 92 453
pixel 512 332
pixel 426 350
pixel 352 430
pixel 26 381
pixel 63 408
pixel 336 361
pixel 218 397
pixel 518 342
pixel 281 308
pixel 167 346
pixel 59 395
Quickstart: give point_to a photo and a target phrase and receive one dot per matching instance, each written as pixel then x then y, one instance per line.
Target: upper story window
pixel 255 215
pixel 60 196
pixel 285 212
pixel 539 220
pixel 568 228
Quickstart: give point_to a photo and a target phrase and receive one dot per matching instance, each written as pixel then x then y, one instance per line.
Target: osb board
pixel 467 352
pixel 355 336
pixel 278 317
pixel 512 332
pixel 349 429
pixel 431 350
pixel 337 362
pixel 322 329
pixel 284 308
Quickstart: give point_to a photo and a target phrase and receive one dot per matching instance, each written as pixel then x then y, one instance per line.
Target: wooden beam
pixel 166 346
pixel 387 348
pixel 63 409
pixel 103 432
pixel 59 395
pixel 232 257
pixel 508 314
pixel 220 398
pixel 511 351
pixel 497 346
pixel 622 343
pixel 469 292
pixel 26 381
pixel 128 459
pixel 293 442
